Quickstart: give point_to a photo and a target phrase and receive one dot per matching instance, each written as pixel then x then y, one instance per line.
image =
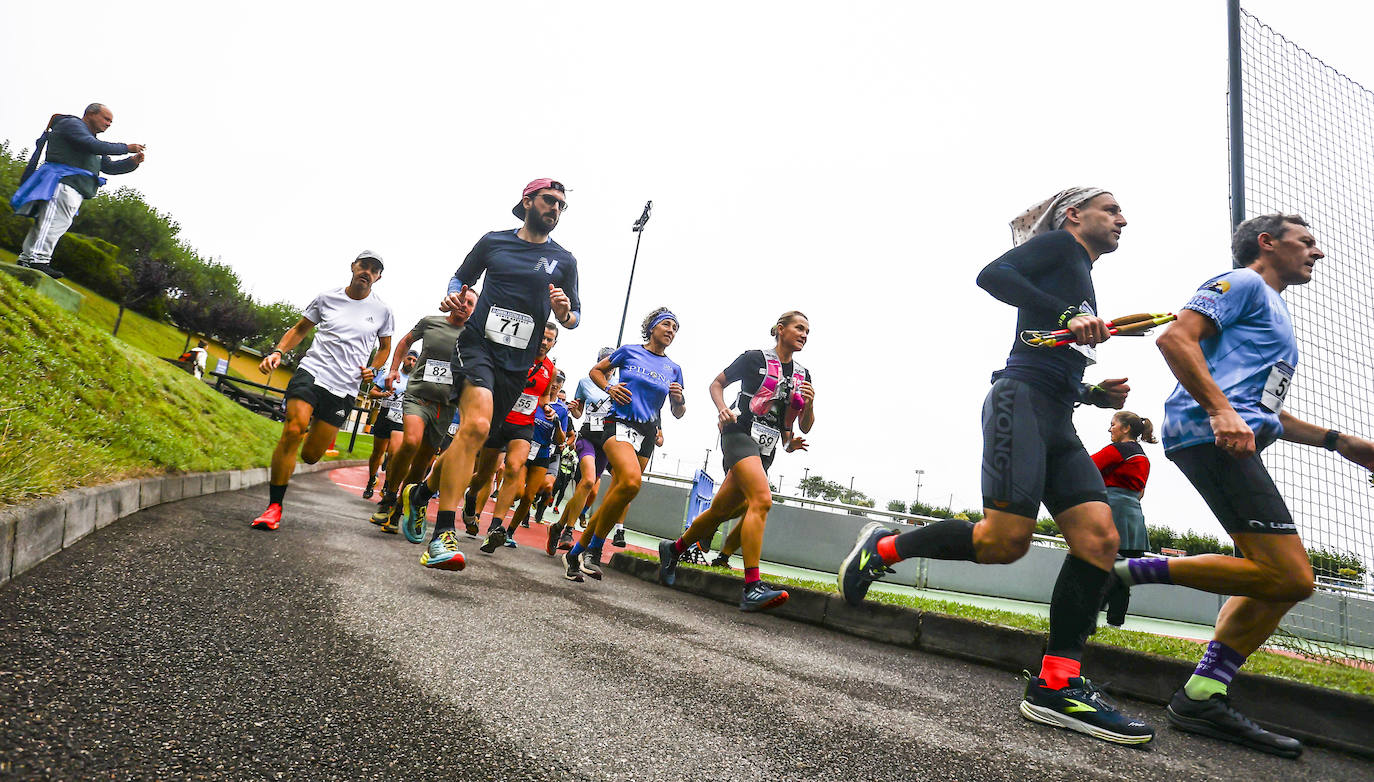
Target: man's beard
pixel 536 223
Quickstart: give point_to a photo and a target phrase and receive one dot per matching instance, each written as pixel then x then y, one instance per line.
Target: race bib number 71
pixel 508 327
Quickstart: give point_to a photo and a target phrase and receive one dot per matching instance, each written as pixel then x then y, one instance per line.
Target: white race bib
pixel 526 404
pixel 1276 387
pixel 393 414
pixel 452 430
pixel 766 436
pixel 628 434
pixel 437 371
pixel 508 327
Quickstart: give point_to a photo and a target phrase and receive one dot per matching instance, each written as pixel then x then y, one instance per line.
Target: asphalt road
pixel 178 643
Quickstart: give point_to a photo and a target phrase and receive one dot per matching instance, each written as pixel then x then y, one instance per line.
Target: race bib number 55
pixel 508 327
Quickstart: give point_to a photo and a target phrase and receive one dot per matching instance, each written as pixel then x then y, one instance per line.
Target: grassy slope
pixel 83 409
pixel 1334 676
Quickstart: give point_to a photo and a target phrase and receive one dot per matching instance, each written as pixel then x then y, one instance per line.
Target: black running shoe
pixel 1081 706
pixel 496 537
pixel 618 539
pixel 1216 717
pixel 525 523
pixel 371 484
pixel 667 562
pixel 591 563
pixel 863 566
pixel 721 560
pixel 470 525
pixel 565 539
pixel 572 565
pixel 761 596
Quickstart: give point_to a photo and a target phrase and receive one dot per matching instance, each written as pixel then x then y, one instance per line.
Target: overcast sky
pixel 858 162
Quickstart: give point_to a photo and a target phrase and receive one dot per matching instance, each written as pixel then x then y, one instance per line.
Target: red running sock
pixel 1056 671
pixel 679 546
pixel 887 549
pixel 751 574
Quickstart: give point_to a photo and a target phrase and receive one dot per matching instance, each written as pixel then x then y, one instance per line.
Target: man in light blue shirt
pixel 1235 357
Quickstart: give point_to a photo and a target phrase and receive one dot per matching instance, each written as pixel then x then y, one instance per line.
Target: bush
pixel 1047 526
pixel 1336 564
pixel 91 262
pixel 1160 537
pixel 1200 543
pixel 896 506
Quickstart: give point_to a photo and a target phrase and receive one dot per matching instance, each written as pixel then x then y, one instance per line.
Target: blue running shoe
pixel 1083 707
pixel 863 566
pixel 761 596
pixel 442 553
pixel 667 563
pixel 412 512
pixel 510 541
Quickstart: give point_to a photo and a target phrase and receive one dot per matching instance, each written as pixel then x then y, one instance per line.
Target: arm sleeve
pixel 741 367
pixel 78 135
pixel 388 326
pixel 122 166
pixel 619 357
pixel 1008 277
pixel 472 267
pixel 570 290
pixel 1226 298
pixel 1106 459
pixel 417 333
pixel 312 311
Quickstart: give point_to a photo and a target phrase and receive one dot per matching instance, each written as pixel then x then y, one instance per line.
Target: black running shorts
pixel 1239 491
pixel 325 405
pixel 476 366
pixel 735 446
pixel 1032 454
pixel 504 433
pixel 629 431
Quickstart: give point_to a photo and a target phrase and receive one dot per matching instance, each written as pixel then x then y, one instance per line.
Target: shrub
pixel 91 262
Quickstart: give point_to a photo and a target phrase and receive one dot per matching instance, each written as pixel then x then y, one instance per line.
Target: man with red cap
pixel 528 278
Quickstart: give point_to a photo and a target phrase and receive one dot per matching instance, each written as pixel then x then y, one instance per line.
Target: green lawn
pixel 84 409
pixel 1332 675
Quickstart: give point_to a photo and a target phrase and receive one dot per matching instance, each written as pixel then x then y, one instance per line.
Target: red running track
pixel 354 479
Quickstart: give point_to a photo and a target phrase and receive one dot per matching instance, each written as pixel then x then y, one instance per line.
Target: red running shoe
pixel 270 518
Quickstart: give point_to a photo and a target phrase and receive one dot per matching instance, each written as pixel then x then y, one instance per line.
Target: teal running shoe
pixel 442 553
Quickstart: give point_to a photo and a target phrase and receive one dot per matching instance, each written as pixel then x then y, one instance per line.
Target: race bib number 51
pixel 1276 387
pixel 508 327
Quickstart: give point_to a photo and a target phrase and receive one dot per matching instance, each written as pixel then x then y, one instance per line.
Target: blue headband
pixel 662 317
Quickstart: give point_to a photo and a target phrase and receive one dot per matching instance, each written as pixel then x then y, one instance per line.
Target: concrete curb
pixel 1315 715
pixel 34 531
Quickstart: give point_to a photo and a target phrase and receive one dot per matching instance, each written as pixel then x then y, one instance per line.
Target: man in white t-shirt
pixel 199 357
pixel 321 392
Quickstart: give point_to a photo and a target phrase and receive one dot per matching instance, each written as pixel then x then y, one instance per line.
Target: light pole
pixel 920 474
pixel 638 228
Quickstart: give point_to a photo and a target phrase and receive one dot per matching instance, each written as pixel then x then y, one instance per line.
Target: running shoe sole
pixel 453 563
pixel 1047 716
pixel 774 603
pixel 573 574
pixel 1205 728
pixel 265 526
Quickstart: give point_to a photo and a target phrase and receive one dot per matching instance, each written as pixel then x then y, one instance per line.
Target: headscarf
pixel 1049 215
pixel 662 316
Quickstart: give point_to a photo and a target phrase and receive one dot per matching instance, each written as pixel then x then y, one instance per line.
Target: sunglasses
pixel 553 200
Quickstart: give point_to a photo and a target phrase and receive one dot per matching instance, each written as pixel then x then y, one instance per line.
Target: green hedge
pixel 90 261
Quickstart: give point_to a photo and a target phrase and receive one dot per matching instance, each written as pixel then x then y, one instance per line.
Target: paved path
pixel 178 643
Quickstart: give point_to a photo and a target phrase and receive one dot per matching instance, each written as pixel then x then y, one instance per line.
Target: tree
pixel 275 319
pixel 896 506
pixel 232 320
pixel 142 279
pixel 812 486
